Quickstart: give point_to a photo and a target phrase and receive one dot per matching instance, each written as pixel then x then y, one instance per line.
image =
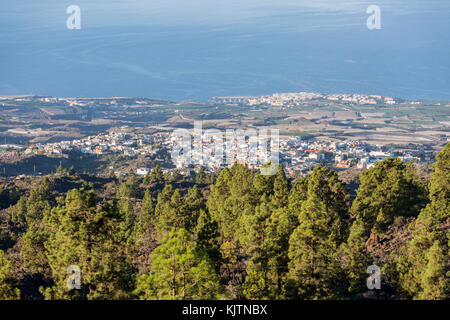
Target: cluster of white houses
pixel 296 154
pixel 296 99
pixel 129 144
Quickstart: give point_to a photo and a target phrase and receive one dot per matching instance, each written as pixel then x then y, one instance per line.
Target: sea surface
pixel 197 49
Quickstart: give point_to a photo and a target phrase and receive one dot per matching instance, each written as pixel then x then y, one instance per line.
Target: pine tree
pixel 297 195
pixel 202 177
pixel 265 233
pixel 195 202
pixel 440 186
pixel 155 177
pixel 93 241
pixel 7 290
pixel 19 212
pixel 435 281
pixel 220 191
pixel 37 204
pixel 207 238
pixel 128 219
pixel 179 272
pixel 254 239
pixel 71 171
pixel 171 213
pixel 388 190
pixel 60 171
pixel 232 196
pixel 33 251
pixel 263 184
pixel 37 210
pixel 163 200
pixel 130 188
pixel 355 258
pixel 280 189
pixel 147 216
pixel 255 286
pixel 172 177
pixel 145 240
pixel 423 269
pixel 253 226
pixel 332 192
pixel 314 270
pixel 232 268
pixel 279 229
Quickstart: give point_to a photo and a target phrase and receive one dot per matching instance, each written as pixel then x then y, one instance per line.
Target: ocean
pixel 181 49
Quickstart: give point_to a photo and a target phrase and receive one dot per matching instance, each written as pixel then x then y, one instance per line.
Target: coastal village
pixel 297 99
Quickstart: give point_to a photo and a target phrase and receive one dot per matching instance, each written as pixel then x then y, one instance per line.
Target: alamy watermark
pixel 215 148
pixel 374 280
pixel 74 280
pixel 374 21
pixel 74 20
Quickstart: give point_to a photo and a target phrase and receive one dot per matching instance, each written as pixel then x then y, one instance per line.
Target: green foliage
pixel 280 189
pixel 232 196
pixel 253 225
pixel 195 203
pixel 435 283
pixel 174 211
pixel 423 270
pixel 207 238
pixel 179 271
pixel 314 270
pixel 440 185
pixel 390 189
pixel 279 229
pixel 33 251
pixel 355 258
pixel 202 177
pixel 129 189
pixel 263 184
pixel 36 209
pixel 327 187
pixel 147 216
pixel 60 171
pixel 7 281
pixel 94 241
pixel 38 204
pixel 255 286
pixel 298 194
pixel 171 177
pixel 128 216
pixel 71 171
pixel 19 212
pixel 8 197
pixel 156 176
pixel 255 237
pixel 169 209
pixel 220 191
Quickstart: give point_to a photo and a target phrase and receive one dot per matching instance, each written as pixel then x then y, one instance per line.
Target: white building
pixel 142 171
